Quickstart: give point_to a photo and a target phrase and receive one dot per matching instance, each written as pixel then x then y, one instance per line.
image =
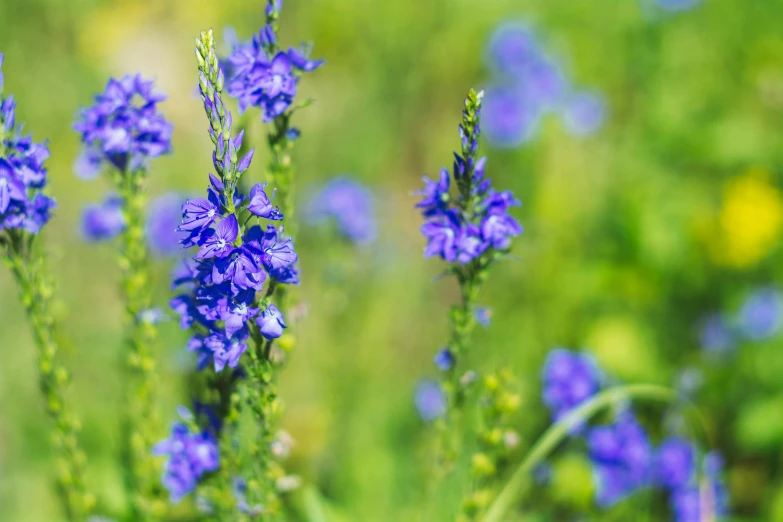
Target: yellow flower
pixel 749 222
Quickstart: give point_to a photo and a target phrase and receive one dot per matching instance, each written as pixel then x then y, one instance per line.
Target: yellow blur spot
pixel 749 223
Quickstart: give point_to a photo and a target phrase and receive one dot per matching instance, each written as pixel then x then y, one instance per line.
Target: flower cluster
pixel 759 318
pixel 569 379
pixel 623 457
pixel 462 227
pixel 23 176
pixel 264 77
pixel 123 127
pixel 528 85
pixel 350 205
pixel 235 258
pixel 191 453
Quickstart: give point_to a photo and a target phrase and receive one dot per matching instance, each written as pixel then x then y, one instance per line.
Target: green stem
pixel 36 292
pixel 560 431
pixel 141 420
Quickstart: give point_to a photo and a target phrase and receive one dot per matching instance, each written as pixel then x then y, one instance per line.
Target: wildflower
pixel 761 314
pixel 163 219
pixel 584 113
pixel 264 81
pixel 124 126
pixel 716 335
pixel 350 205
pixel 675 463
pixel 190 455
pixel 569 379
pixel 271 322
pixel 104 221
pixel 430 400
pixel 444 359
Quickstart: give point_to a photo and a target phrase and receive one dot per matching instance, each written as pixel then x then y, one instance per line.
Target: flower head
pixel 123 127
pixel 103 221
pixel 570 378
pixel 430 400
pixel 350 205
pixel 271 322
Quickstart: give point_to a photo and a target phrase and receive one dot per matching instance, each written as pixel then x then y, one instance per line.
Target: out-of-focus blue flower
pixel 190 455
pixel 705 497
pixel 444 359
pixel 509 120
pixel 103 221
pixel 350 204
pixel 622 457
pixel 163 234
pixel 430 400
pixel 716 335
pixel 584 113
pixel 675 463
pixel 569 378
pixel 528 85
pixel 761 315
pixel 483 315
pixel 123 127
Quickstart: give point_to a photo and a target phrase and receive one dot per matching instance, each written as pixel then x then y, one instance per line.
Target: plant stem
pixel 35 288
pixel 560 431
pixel 141 419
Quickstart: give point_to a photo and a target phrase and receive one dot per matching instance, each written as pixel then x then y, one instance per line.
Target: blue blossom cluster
pixel 229 270
pixel 351 206
pixel 759 318
pixel 461 227
pixel 123 127
pixel 529 84
pixel 262 76
pixel 23 176
pixel 624 459
pixel 190 454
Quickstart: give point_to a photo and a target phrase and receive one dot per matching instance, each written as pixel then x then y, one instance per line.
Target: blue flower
pixel 350 204
pixel 444 359
pixel 761 316
pixel 103 221
pixel 430 400
pixel 704 498
pixel 219 241
pixel 675 463
pixel 435 194
pixel 584 113
pixel 570 378
pixel 190 455
pixel 260 204
pixel 263 81
pixel 716 335
pixel 163 219
pixel 271 322
pixel 677 5
pixel 622 457
pixel 509 119
pixel 123 127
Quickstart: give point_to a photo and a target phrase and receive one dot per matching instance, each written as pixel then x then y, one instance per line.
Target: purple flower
pixel 430 401
pixel 622 455
pixel 199 213
pixel 675 463
pixel 716 335
pixel 470 244
pixel 498 229
pixel 104 221
pixel 124 125
pixel 483 315
pixel 509 118
pixel 444 359
pixel 761 316
pixel 584 113
pixel 225 351
pixel 259 80
pixel 441 234
pixel 190 455
pixel 219 242
pixel 570 378
pixel 271 322
pixel 11 187
pixel 260 204
pixel 435 194
pixel 350 204
pixel 240 269
pixel 703 499
pixel 266 246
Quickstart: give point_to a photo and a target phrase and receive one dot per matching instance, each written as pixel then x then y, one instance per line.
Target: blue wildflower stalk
pixel 470 229
pixel 124 129
pixel 226 306
pixel 24 210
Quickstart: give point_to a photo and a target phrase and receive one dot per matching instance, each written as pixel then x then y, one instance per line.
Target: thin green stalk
pixel 35 287
pixel 141 420
pixel 512 493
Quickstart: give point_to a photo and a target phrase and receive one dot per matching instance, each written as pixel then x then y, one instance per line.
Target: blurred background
pixel 651 190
